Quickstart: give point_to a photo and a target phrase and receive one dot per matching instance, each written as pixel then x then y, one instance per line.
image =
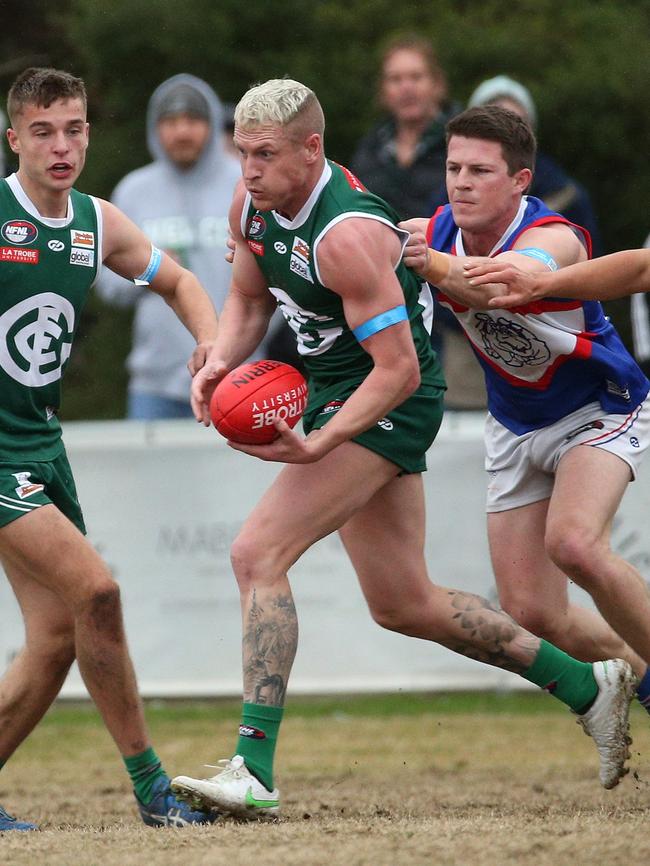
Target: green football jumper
pixel 47 267
pixel 45 275
pixel 336 363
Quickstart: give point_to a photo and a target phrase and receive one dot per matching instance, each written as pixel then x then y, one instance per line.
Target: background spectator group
pixel 181 201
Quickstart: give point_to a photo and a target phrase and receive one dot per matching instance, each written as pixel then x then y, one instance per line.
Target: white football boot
pixel 233 791
pixel 606 722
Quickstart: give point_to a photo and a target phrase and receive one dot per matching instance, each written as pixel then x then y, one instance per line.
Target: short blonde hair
pixel 281 102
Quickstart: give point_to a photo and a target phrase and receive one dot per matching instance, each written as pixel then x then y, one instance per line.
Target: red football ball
pixel 248 400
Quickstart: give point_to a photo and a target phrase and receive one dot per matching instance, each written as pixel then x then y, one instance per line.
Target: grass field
pixel 442 780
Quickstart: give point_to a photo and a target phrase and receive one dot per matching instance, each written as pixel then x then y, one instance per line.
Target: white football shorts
pixel 521 469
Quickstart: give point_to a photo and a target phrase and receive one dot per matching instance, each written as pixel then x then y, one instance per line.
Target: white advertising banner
pixel 164 500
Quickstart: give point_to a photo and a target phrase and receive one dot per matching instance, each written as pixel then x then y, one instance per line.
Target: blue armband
pixel 540 255
pixel 152 268
pixel 378 323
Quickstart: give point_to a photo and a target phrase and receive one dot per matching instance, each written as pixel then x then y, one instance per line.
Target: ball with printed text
pixel 248 400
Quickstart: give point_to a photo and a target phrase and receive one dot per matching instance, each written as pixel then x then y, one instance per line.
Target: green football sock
pixel 258 735
pixel 567 679
pixel 144 769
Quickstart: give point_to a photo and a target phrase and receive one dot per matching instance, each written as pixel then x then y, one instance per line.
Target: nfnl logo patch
pixel 251 732
pixel 19 232
pixel 257 227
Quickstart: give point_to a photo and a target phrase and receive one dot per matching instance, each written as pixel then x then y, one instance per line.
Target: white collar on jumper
pixel 303 214
pixel 25 202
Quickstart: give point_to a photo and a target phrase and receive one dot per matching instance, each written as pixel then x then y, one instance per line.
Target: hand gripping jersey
pixel 547 359
pixel 287 254
pixel 47 267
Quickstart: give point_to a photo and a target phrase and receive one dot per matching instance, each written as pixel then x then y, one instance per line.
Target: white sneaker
pixel 607 720
pixel 233 791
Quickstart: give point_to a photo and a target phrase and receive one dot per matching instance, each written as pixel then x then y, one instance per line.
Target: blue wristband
pixel 540 255
pixel 378 323
pixel 152 268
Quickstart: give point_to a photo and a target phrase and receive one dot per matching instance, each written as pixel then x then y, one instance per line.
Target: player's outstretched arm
pixel 129 252
pixel 440 269
pixel 243 320
pixel 603 279
pixel 534 250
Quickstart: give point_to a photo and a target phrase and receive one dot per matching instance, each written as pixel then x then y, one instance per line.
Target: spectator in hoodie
pixel 181 202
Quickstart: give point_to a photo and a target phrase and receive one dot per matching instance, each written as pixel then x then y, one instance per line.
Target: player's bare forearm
pixel 603 279
pixel 194 308
pixel 385 387
pixel 242 324
pixel 380 392
pixel 444 271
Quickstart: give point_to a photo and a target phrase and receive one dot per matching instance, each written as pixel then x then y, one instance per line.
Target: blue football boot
pixel 8 822
pixel 164 810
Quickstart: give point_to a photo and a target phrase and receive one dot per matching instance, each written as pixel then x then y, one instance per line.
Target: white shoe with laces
pixel 233 791
pixel 607 723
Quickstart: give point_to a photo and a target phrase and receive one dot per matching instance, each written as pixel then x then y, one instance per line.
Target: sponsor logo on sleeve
pixel 82 239
pixel 19 232
pixel 18 256
pixel 85 258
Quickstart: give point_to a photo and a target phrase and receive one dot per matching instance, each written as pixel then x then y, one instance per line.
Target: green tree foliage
pixel 586 64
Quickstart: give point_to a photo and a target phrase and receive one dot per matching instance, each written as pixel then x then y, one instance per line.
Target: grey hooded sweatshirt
pixel 185 213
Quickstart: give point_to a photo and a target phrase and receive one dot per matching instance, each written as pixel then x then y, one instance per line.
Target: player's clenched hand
pixel 509 287
pixel 416 250
pixel 199 357
pixel 204 382
pixel 231 246
pixel 289 447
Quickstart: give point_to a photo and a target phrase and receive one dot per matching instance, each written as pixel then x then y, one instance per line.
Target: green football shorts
pixel 403 436
pixel 26 486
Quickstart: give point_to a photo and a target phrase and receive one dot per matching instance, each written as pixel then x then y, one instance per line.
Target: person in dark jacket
pixel 402 158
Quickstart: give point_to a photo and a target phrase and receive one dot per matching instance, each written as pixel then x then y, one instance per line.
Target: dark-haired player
pixel 53 241
pixel 569 414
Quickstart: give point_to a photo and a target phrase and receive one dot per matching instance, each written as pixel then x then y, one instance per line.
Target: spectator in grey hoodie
pixel 181 202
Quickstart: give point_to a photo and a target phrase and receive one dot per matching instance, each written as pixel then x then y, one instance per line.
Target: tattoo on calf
pixel 492 635
pixel 269 646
